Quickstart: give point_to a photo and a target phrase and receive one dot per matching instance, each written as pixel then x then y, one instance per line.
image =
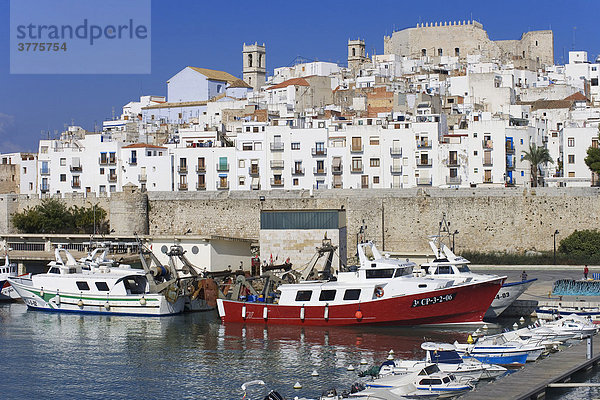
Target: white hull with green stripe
pixel 105 292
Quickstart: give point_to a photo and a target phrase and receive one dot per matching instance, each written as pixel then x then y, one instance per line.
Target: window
pixel 571 158
pixel 521 141
pixel 63 177
pixel 295 145
pixel 101 171
pixel 63 161
pixel 101 286
pixel 475 152
pixel 440 52
pixel 457 52
pixel 82 285
pixel 242 180
pixel 374 162
pixel 327 295
pixel 295 181
pixel 102 189
pixel 374 140
pixel 375 179
pixel 423 52
pixel 380 273
pixel 247 146
pixel 242 164
pixel 571 142
pixel 356 144
pixel 571 174
pixel 352 294
pixel 356 164
pixel 112 188
pixel 474 134
pixel 303 295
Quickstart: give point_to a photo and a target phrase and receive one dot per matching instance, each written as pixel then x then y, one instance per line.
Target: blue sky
pixel 210 34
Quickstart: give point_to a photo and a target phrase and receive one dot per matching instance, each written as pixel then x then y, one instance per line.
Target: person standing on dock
pixel 585 272
pixel 524 276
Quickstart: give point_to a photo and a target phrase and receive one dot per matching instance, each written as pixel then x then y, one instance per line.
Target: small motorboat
pixel 508 355
pixel 8 270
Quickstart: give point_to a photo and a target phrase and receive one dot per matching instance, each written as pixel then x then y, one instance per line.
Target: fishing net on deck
pixel 569 287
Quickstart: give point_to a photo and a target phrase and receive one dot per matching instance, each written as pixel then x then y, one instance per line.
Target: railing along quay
pixel 532 381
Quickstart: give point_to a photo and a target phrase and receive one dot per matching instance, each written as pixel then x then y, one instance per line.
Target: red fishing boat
pixel 380 290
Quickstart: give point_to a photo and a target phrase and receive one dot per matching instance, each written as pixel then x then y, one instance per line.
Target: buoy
pixel 350 368
pixel 80 303
pixel 265 313
pixel 107 306
pixel 302 313
pixel 57 298
pixel 314 373
pixel 390 357
pixel 521 320
pixel 358 315
pixel 297 385
pixel 363 362
pixel 244 311
pixel 470 339
pixel 143 301
pixel 515 326
pixel 391 351
pixel 326 312
pixel 42 293
pixel 485 326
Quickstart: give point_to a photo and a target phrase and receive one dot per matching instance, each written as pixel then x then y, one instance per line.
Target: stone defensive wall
pixel 398 220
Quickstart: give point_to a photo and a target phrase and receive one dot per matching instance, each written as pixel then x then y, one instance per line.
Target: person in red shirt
pixel 585 272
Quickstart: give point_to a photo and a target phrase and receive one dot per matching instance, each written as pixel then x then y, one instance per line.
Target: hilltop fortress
pixel 461 38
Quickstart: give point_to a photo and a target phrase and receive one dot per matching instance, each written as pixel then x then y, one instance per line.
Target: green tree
pixel 593 157
pixel 52 216
pixel 537 155
pixel 584 243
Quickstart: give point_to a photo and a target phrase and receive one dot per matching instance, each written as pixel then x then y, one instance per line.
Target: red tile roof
pixel 290 82
pixel 577 96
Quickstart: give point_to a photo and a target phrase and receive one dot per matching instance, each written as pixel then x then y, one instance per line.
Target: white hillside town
pixel 444 106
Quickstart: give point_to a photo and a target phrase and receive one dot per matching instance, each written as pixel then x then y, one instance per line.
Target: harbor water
pixel 194 356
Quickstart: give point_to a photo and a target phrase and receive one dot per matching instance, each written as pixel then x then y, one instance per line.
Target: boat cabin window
pixel 402 271
pixel 352 294
pixel 429 382
pixel 102 286
pixel 444 269
pixel 380 273
pixel 446 379
pixel 432 369
pixel 135 284
pixel 54 270
pixel 327 295
pixel 82 285
pixel 303 295
pixel 463 268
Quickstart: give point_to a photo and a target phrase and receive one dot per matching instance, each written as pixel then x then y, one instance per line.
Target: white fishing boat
pixel 71 286
pixel 576 325
pixel 449 265
pixel 8 270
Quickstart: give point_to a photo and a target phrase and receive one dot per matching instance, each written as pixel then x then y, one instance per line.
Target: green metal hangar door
pixel 297 233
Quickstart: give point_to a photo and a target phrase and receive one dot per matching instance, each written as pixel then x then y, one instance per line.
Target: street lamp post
pixel 454 233
pixel 554 236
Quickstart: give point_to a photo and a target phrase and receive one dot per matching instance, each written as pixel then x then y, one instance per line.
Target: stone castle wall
pixel 488 219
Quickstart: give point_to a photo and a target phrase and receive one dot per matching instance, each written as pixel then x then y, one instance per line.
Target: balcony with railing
pixel 487 162
pixel 200 169
pixel 423 144
pixel 110 160
pixel 424 181
pixel 318 186
pixel 223 167
pixel 453 162
pixel 277 164
pixel 253 170
pixel 356 168
pixel 76 184
pixel 487 144
pixel 319 171
pixel 396 151
pixel 298 171
pixel 132 161
pixel 453 180
pixel 510 148
pixel 255 186
pixel 276 181
pixel 357 148
pixel 222 185
pixel 112 177
pixel 396 169
pixel 45 171
pixel 337 184
pixel 76 168
pixel 142 177
pixel 182 186
pixel 510 162
pixel 276 146
pixel 44 187
pixel 337 169
pixel 182 169
pixel 421 162
pixel 319 151
pixel 200 186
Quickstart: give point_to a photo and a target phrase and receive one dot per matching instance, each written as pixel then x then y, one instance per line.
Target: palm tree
pixel 536 156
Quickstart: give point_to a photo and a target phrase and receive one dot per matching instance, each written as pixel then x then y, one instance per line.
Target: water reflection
pixel 188 356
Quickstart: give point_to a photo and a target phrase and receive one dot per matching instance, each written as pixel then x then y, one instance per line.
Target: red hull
pixel 469 304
